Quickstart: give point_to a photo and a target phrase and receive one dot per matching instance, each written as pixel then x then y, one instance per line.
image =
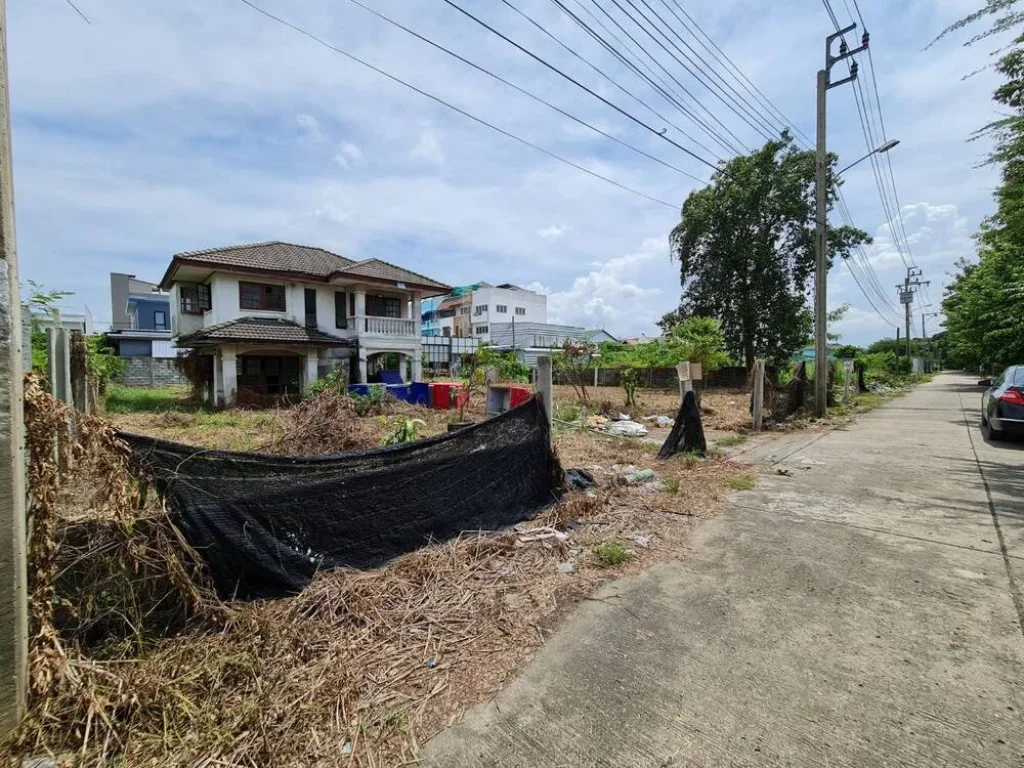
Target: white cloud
pixel 310 126
pixel 348 154
pixel 620 294
pixel 552 232
pixel 427 149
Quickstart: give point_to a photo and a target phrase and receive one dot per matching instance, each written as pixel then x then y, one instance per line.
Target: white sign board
pixel 683 369
pixel 848 366
pixel 696 371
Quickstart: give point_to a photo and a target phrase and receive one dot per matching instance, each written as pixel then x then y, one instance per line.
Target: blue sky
pixel 163 127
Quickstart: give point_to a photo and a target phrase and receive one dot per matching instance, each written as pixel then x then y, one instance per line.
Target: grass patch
pixel 610 553
pixel 725 442
pixel 671 484
pixel 122 399
pixel 742 483
pixel 714 452
pixel 567 412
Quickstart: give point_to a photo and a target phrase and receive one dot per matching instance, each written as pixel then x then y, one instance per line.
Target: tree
pixel 42 303
pixel 575 359
pixel 745 247
pixel 984 304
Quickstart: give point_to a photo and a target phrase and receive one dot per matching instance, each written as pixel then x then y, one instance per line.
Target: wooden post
pixel 543 388
pixel 13 541
pixel 595 377
pixel 758 409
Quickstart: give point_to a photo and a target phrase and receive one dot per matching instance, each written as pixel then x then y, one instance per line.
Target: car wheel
pixel 995 434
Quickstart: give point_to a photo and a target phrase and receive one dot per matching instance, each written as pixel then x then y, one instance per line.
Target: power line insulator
pixel 843 48
pixel 864 39
pixel 853 68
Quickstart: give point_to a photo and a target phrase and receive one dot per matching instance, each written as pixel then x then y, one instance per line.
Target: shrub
pixel 741 483
pixel 608 553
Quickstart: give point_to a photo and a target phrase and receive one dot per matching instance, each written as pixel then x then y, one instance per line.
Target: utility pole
pixel 821 218
pixel 13 539
pixel 906 290
pixel 924 332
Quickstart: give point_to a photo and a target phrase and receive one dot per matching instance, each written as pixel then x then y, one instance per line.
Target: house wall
pixel 135 348
pixel 535 304
pixel 146 309
pixel 119 320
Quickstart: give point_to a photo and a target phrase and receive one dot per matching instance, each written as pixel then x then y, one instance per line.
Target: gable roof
pixel 262 330
pixel 300 260
pixel 383 270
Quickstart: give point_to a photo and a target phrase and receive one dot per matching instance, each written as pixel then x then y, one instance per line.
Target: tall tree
pixel 745 247
pixel 984 305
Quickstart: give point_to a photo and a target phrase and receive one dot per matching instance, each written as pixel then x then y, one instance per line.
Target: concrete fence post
pixel 79 372
pixel 13 528
pixel 543 388
pixel 758 401
pixel 59 364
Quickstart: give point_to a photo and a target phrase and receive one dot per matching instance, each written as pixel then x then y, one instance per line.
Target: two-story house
pixel 273 317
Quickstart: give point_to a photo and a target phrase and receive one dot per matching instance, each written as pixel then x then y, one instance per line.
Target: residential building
pixel 531 340
pixel 273 317
pixel 140 318
pixel 469 311
pixel 597 335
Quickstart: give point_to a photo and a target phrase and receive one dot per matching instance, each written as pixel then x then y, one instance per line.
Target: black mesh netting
pixel 265 524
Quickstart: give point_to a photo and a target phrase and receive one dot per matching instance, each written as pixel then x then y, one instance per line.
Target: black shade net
pixel 265 524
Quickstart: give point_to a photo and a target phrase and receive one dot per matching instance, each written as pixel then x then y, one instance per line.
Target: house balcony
pixel 392 327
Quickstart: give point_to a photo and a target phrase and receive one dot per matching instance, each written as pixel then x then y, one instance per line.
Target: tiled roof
pixel 288 258
pixel 382 270
pixel 260 329
pixel 272 256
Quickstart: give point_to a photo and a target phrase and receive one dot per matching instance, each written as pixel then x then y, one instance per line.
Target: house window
pixel 446 331
pixel 160 320
pixel 520 311
pixel 463 310
pixel 383 306
pixel 340 316
pixel 310 297
pixel 480 329
pixel 261 296
pixel 194 298
pixel 501 309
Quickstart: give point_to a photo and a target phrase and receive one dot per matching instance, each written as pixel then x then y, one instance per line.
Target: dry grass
pixel 722 409
pixel 362 667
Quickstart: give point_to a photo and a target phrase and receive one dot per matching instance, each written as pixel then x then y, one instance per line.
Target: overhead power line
pixel 608 77
pixel 737 106
pixel 523 91
pixel 580 85
pixel 439 100
pixel 677 98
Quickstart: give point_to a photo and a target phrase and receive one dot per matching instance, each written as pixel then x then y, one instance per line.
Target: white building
pixel 273 317
pixel 506 303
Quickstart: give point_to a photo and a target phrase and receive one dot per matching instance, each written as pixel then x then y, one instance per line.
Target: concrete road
pixel 865 611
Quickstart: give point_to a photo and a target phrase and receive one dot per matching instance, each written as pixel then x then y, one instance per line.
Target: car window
pixel 1018 376
pixel 1002 377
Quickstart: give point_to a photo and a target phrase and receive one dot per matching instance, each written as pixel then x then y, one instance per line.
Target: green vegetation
pixel 672 484
pixel 755 283
pixel 121 399
pixel 729 440
pixel 406 430
pixel 741 482
pixel 984 305
pixel 331 382
pixel 608 553
pixel 567 411
pixel 504 365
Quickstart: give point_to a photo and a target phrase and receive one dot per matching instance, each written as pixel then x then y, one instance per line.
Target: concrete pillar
pixel 543 387
pixel 417 365
pixel 312 368
pixel 218 381
pixel 362 366
pixel 229 373
pixel 59 364
pixel 13 542
pixel 360 294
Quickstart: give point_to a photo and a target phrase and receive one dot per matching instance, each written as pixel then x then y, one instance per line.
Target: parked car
pixel 1002 405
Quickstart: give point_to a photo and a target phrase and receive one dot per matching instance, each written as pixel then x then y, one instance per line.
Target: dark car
pixel 1002 405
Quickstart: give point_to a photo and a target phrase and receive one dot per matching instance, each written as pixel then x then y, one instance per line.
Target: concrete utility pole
pixel 821 218
pixel 13 578
pixel 906 290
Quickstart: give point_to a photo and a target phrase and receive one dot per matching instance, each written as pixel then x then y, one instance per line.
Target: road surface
pixel 864 611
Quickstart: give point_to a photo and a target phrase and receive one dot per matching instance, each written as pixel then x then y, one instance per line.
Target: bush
pixel 609 553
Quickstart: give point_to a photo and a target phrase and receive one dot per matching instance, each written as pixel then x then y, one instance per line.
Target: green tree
pixel 745 247
pixel 984 304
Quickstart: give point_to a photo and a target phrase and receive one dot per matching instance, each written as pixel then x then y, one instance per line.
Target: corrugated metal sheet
pixel 164 348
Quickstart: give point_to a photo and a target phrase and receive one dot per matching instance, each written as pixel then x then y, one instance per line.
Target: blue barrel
pixel 420 393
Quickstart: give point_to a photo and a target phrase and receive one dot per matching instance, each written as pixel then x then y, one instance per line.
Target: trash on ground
pixel 784 472
pixel 639 476
pixel 625 429
pixel 664 421
pixel 567 567
pixel 642 541
pixel 622 417
pixel 578 480
pixel 542 534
